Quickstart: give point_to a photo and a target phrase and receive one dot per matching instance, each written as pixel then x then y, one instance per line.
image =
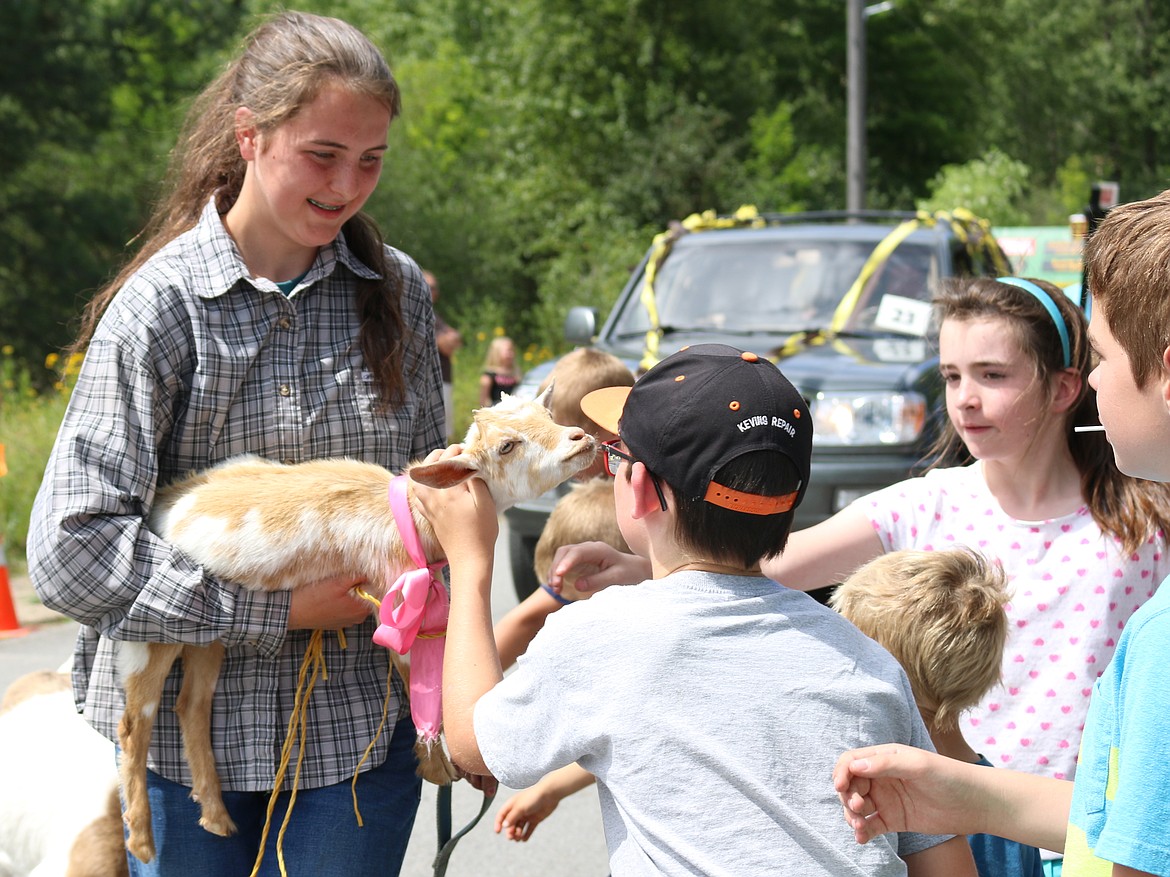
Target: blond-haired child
pixel 941 614
pixel 584 514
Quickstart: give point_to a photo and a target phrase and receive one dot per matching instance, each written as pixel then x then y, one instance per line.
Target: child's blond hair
pixel 587 513
pixel 941 615
pixel 582 371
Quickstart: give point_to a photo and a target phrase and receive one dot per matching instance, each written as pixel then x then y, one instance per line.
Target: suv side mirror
pixel 581 326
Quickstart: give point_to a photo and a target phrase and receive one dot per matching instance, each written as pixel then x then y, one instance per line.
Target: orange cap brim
pixel 604 407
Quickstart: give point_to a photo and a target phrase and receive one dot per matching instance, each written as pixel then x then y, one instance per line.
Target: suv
pixel 840 300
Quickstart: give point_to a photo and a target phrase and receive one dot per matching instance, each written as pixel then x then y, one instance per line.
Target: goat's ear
pixel 545 398
pixel 444 473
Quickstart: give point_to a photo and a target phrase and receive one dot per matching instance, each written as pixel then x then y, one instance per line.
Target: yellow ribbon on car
pixel 660 247
pixel 878 257
pixel 974 233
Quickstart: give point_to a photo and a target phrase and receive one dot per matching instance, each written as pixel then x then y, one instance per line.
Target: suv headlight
pixel 867 418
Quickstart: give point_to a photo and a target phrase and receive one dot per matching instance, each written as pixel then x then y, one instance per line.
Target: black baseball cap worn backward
pixel 701 408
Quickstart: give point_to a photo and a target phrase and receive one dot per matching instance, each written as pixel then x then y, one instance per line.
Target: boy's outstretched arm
pixel 612 567
pixel 466 524
pixel 521 624
pixel 899 788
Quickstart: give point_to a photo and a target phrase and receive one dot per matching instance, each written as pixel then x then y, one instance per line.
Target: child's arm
pixel 825 553
pixel 516 629
pixel 466 524
pixel 525 810
pixel 900 788
pixel 485 390
pixel 613 567
pixel 952 857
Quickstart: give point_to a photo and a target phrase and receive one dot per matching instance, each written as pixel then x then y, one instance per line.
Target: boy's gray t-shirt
pixel 712 709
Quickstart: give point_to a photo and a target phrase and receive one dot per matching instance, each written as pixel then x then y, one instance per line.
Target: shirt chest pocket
pixel 345 413
pixel 1098 756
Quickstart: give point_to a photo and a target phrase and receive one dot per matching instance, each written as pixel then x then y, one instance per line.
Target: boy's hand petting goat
pixel 322 524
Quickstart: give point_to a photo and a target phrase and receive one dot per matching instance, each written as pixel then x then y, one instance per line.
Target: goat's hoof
pixel 220 824
pixel 434 766
pixel 141 847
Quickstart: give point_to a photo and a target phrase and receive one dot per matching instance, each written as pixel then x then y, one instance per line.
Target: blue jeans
pixel 322 840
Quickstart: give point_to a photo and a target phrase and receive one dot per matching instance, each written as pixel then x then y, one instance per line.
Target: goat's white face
pixel 517 449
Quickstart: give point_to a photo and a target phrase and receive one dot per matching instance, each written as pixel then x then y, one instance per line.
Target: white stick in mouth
pixel 1095 428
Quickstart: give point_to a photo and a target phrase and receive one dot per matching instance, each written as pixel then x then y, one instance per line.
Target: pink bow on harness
pixel 413 618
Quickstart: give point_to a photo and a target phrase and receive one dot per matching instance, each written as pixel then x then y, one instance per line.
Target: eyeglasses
pixel 614 457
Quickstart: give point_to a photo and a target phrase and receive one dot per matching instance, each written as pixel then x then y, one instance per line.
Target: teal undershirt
pixel 287 286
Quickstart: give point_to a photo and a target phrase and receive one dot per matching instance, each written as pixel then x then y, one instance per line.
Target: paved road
pixel 569 844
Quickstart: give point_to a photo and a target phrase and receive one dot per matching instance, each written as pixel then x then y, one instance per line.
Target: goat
pixel 273 526
pixel 59 786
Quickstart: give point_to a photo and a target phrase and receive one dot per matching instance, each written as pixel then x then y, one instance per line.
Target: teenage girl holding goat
pixel 262 315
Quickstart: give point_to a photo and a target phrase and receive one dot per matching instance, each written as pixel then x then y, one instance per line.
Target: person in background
pixel 656 689
pixel 940 613
pixel 501 371
pixel 448 340
pixel 263 314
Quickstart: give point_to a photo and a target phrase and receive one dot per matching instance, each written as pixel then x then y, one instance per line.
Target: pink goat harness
pixel 413 618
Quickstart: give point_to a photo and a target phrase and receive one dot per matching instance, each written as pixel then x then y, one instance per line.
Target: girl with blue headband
pixel 1083 545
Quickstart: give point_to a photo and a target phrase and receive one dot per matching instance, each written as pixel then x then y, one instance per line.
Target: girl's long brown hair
pixel 1130 509
pixel 284 65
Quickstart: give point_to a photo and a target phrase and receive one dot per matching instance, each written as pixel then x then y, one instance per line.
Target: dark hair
pixel 735 537
pixel 284 65
pixel 1124 507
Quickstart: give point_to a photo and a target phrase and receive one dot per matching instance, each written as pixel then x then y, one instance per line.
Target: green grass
pixel 29 420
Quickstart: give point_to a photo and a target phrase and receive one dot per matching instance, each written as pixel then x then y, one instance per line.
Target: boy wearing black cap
pixel 709 702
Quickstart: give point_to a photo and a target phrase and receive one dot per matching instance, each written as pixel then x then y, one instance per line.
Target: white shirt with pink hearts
pixel 1073 591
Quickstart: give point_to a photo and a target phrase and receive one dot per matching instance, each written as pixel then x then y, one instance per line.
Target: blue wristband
pixel 562 600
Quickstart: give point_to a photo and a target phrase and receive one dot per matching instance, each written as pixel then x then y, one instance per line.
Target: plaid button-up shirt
pixel 195 362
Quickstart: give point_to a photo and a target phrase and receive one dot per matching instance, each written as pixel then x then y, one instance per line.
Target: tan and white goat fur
pixel 57 786
pixel 272 526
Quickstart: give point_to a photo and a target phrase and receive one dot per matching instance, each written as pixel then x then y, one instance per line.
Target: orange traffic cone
pixel 9 626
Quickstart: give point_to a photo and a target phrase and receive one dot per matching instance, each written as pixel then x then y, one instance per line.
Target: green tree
pixel 88 100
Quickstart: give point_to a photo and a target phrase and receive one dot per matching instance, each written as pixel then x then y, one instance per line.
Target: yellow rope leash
pixel 314 660
pixel 312 668
pixel 370 748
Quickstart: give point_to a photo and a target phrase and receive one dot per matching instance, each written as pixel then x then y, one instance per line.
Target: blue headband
pixel 1049 305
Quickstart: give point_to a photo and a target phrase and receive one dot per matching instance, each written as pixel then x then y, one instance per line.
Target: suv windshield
pixel 779 286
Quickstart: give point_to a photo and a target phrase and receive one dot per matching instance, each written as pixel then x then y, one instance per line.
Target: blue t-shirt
pixel 999 857
pixel 1121 799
